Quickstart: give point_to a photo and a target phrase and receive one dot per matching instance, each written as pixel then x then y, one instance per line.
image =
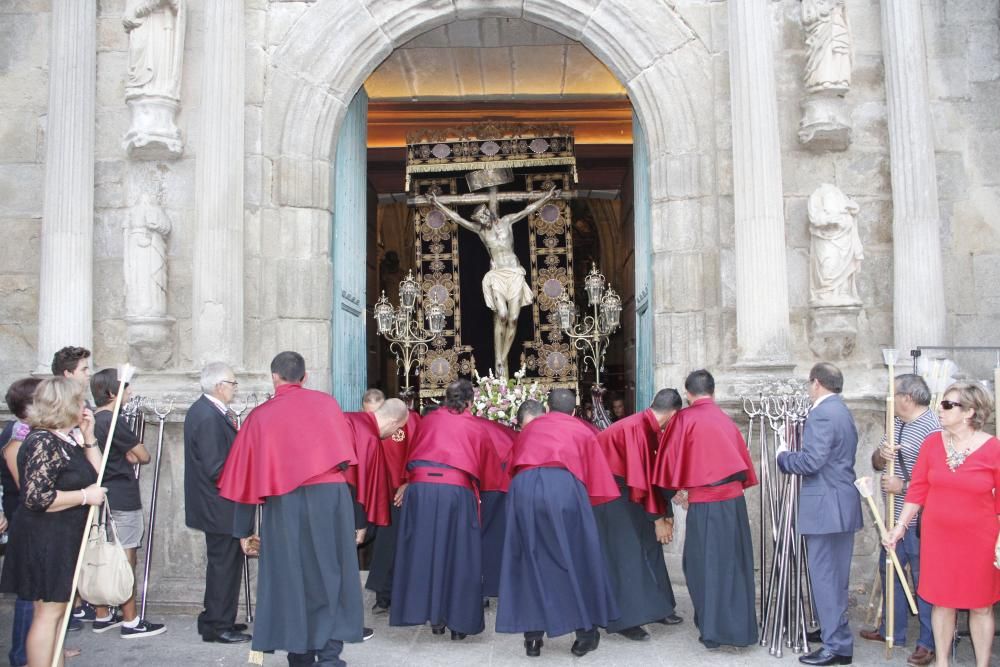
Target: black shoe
pixel 75 625
pixel 457 635
pixel 815 637
pixel 533 647
pixel 437 629
pixel 673 619
pixel 582 647
pixel 227 637
pixel 366 634
pixel 85 613
pixel 142 629
pixel 104 625
pixel 239 627
pixel 378 609
pixel 823 657
pixel 486 603
pixel 636 634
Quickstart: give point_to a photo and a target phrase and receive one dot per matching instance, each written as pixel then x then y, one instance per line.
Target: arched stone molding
pixel 332 48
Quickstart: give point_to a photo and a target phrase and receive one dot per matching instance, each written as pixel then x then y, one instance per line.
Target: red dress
pixel 959 526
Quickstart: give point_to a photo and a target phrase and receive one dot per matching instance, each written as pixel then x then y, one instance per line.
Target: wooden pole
pixel 124 376
pixel 890 501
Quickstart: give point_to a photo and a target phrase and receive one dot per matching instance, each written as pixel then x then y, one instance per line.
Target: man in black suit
pixel 209 430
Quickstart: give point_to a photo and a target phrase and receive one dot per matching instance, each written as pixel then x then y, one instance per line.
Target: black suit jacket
pixel 208 436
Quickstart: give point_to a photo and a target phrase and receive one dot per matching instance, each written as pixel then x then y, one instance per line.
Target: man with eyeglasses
pixel 209 431
pixel 914 422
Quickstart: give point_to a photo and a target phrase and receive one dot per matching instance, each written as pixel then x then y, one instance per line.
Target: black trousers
pixel 222 584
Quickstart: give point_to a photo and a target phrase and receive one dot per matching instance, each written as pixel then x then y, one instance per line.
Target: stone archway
pixel 333 47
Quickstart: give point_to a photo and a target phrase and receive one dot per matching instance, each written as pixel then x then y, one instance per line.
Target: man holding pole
pixel 914 422
pixel 209 430
pixel 829 508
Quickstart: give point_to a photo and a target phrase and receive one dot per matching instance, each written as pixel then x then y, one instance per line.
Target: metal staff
pixel 890 498
pixel 161 415
pixel 246 559
pixel 124 375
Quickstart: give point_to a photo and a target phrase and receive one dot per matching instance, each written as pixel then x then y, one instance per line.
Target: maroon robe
pixel 462 442
pixel 629 445
pixel 377 494
pixel 396 449
pixel 298 438
pixel 702 446
pixel 557 440
pixel 502 438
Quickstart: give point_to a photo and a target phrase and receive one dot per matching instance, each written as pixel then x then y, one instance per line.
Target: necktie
pixel 231 416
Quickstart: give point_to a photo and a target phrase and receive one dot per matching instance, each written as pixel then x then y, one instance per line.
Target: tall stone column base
pixel 833 331
pixel 826 122
pixel 150 341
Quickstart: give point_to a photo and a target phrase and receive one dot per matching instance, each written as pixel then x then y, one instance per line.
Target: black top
pixel 119 474
pixel 43 546
pixel 11 497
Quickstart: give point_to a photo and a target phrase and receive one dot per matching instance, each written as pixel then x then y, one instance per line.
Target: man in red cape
pixel 554 578
pixel 294 455
pixel 395 449
pixel 703 452
pixel 438 572
pixel 634 527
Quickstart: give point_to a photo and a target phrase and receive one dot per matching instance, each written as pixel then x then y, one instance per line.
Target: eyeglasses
pixel 948 405
pixel 232 382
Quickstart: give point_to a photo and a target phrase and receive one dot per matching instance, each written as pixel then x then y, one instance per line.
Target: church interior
pixel 476 76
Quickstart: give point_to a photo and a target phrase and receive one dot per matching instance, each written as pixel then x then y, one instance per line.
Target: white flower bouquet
pixel 498 399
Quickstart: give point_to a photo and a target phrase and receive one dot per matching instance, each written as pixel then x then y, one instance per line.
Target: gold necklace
pixel 955 457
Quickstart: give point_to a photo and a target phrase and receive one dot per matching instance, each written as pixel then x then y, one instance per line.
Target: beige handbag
pixel 106 578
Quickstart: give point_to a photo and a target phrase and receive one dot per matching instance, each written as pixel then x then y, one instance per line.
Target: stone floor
pixel 413 647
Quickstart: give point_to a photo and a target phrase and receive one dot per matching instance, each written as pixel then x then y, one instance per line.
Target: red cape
pixel 629 446
pixel 396 449
pixel 284 442
pixel 370 478
pixel 555 439
pixel 701 446
pixel 502 438
pixel 462 442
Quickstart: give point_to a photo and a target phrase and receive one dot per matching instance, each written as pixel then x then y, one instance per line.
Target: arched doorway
pixel 313 78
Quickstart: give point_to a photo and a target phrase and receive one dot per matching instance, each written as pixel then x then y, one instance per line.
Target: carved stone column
pixel 65 315
pixel 217 299
pixel 762 327
pixel 919 315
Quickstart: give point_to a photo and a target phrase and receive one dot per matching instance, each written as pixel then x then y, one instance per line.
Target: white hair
pixel 214 373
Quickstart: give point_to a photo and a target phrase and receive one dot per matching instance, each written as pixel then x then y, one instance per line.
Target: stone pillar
pixel 762 327
pixel 217 281
pixel 919 314
pixel 65 315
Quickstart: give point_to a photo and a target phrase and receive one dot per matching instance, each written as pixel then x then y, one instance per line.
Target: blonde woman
pixel 57 472
pixel 956 481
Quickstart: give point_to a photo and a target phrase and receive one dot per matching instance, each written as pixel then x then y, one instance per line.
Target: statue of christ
pixel 504 287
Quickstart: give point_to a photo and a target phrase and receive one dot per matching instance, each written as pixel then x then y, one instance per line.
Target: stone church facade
pixel 184 215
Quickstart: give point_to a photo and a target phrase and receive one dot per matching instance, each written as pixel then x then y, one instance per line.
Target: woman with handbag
pixel 57 468
pixel 957 483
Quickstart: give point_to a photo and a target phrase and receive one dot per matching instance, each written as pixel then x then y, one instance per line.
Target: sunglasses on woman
pixel 948 405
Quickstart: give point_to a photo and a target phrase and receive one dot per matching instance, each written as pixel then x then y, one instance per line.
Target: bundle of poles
pixel 776 413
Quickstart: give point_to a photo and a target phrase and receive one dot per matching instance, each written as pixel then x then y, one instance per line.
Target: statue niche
pixel 826 122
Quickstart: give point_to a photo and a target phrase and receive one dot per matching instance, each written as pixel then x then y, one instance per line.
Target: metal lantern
pixel 564 309
pixel 594 284
pixel 435 318
pixel 383 314
pixel 611 307
pixel 408 290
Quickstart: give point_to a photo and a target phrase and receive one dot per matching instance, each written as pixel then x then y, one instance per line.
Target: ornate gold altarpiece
pixel 542 157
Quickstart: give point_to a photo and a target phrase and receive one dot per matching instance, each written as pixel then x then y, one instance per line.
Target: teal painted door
pixel 350 181
pixel 642 213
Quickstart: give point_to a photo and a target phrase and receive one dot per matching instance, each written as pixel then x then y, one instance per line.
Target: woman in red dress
pixel 955 479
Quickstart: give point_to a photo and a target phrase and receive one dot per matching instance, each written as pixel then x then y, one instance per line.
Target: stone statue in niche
pixel 145 271
pixel 825 120
pixel 835 255
pixel 835 250
pixel 152 88
pixel 504 288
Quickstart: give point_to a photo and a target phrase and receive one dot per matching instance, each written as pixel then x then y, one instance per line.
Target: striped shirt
pixel 909 437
